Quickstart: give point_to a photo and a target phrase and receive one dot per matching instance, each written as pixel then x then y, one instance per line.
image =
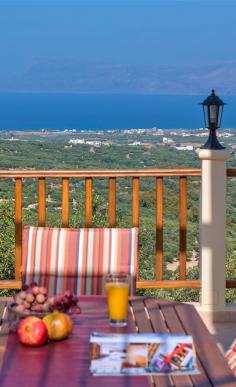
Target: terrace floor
pixel 224 333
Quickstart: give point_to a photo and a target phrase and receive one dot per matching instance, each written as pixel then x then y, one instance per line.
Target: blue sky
pixel 117 32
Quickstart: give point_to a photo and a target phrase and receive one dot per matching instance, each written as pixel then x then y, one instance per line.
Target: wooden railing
pixel 111 175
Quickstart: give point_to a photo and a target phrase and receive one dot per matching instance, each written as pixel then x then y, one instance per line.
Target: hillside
pixel 106 78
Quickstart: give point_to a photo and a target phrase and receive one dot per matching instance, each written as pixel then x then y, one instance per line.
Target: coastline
pixel 155 131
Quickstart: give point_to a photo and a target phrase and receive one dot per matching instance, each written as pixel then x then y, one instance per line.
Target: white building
pixel 187 147
pixel 135 143
pixel 77 141
pixel 167 140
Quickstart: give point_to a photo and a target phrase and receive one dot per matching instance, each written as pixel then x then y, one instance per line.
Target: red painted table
pixel 66 363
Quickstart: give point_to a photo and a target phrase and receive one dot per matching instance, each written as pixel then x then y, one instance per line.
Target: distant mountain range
pixel 80 77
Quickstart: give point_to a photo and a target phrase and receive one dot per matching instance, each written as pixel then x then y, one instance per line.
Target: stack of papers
pixel 141 354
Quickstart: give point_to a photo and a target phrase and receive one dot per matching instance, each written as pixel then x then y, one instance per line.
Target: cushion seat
pixel 78 259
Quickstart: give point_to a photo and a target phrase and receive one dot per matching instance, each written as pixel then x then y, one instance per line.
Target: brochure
pixel 142 354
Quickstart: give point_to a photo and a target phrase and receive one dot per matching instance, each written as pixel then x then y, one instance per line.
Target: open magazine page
pixel 142 353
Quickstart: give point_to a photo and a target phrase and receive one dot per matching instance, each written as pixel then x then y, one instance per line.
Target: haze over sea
pixel 104 112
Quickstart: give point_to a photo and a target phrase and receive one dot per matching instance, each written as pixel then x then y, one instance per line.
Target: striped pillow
pixel 78 259
pixel 230 356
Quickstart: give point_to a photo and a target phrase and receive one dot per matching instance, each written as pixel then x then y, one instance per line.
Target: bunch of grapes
pixel 34 298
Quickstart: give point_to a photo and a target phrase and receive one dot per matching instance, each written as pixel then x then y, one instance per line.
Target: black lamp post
pixel 213 109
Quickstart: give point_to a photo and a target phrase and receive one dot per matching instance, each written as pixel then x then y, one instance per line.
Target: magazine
pixel 141 354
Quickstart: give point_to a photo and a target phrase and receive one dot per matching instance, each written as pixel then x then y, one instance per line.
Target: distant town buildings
pixel 82 141
pixel 179 139
pixel 70 131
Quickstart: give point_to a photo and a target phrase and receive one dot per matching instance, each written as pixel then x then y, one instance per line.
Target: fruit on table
pixel 59 325
pixel 35 290
pixel 40 298
pixel 32 331
pixel 34 298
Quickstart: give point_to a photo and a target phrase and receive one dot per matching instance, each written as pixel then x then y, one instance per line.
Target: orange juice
pixel 117 298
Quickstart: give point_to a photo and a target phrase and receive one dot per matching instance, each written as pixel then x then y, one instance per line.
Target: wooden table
pixel 66 363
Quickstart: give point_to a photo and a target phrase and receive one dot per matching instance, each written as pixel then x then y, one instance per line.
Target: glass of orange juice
pixel 117 291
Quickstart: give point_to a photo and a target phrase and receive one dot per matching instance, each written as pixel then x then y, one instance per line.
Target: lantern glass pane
pixel 206 117
pixel 219 116
pixel 214 114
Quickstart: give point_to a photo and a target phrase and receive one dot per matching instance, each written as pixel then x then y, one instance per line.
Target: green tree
pixel 7 239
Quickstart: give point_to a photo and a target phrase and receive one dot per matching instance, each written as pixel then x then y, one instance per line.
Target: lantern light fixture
pixel 212 109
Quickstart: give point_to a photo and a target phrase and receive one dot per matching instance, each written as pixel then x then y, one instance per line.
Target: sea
pixel 35 112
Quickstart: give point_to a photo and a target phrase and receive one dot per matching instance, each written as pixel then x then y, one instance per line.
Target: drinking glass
pixel 117 292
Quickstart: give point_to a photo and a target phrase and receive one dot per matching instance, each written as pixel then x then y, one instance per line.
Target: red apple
pixel 32 331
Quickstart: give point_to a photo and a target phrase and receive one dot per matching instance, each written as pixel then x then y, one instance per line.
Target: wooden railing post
pixel 65 202
pixel 18 227
pixel 112 202
pixel 135 202
pixel 42 201
pixel 182 227
pixel 88 202
pixel 159 228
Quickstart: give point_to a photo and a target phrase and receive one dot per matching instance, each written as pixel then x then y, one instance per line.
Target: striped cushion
pixel 78 259
pixel 230 356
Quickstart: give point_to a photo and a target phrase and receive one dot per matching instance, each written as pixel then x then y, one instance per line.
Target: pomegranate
pixel 59 325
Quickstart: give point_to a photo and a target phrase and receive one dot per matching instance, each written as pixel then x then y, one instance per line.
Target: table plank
pixel 3 305
pixel 175 326
pixel 144 326
pixel 159 326
pixel 4 329
pixel 215 365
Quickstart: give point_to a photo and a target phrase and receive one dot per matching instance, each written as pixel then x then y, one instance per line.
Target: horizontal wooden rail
pixel 231 172
pixel 177 284
pixel 145 284
pixel 101 173
pixel 168 284
pixel 10 284
pixel 230 284
pixel 106 173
